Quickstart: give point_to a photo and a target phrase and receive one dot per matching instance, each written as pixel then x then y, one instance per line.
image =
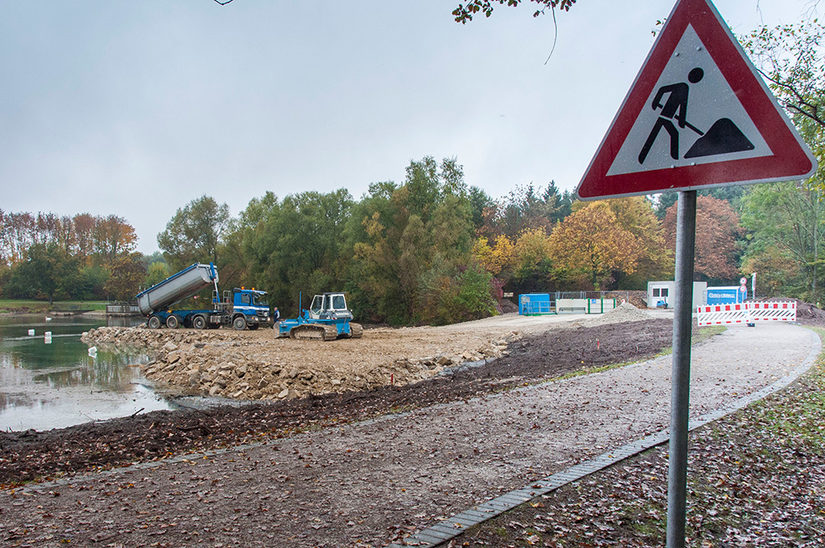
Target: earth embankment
pixel 256 365
pixel 549 347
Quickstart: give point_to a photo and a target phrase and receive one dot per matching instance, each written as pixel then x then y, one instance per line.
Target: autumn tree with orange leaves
pixel 637 215
pixel 717 233
pixel 611 244
pixel 497 259
pixel 590 244
pixel 69 257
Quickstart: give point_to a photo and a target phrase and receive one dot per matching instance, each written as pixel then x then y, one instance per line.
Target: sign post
pixel 697 116
pixel 680 376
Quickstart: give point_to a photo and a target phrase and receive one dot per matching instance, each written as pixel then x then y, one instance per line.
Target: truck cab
pixel 246 308
pixel 329 306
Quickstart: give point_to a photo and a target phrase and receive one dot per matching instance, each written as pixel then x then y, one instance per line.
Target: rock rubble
pixel 255 365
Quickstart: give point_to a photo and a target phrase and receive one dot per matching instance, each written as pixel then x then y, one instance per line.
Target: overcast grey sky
pixel 136 107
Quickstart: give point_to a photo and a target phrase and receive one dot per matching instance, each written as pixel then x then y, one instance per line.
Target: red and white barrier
pixel 776 312
pixel 745 313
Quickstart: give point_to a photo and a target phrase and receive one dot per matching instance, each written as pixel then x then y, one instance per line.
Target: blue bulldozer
pixel 326 319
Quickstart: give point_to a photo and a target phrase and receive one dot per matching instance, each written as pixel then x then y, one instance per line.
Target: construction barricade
pixel 746 313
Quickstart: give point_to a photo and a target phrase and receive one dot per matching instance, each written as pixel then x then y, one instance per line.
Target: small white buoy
pixel 31 332
pixel 93 351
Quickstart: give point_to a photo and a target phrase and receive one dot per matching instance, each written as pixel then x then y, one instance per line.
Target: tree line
pixel 433 249
pixel 48 256
pixel 430 249
pixel 404 252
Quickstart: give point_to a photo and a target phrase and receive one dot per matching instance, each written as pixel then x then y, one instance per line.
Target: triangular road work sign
pixel 698 115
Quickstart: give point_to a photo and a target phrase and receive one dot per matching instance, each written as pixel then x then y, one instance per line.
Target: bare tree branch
pixel 803 102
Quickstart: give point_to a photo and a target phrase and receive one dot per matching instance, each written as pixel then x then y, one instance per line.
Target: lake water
pixel 58 384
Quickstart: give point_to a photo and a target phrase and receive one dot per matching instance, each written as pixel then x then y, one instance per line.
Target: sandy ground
pixel 255 365
pixel 374 482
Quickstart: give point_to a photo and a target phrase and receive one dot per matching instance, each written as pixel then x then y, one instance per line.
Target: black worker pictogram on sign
pixel 698 115
pixel 723 137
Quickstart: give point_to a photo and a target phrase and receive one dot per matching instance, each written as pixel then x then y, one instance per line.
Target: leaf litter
pixel 756 477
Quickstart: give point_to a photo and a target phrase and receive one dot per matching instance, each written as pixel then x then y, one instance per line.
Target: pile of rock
pixel 256 365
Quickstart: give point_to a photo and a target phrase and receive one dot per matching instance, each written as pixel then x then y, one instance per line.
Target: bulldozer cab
pixel 329 306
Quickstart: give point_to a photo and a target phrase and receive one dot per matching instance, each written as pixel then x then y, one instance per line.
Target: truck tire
pixel 239 323
pixel 172 322
pixel 253 327
pixel 199 322
pixel 153 323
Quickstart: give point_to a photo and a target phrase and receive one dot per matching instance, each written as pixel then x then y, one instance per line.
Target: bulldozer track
pixel 314 332
pixel 355 330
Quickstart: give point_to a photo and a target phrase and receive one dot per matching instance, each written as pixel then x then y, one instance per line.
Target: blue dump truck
pixel 241 308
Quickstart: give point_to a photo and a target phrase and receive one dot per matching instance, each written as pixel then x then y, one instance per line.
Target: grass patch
pixel 71 306
pixel 700 335
pixel 30 306
pixel 697 336
pixel 22 306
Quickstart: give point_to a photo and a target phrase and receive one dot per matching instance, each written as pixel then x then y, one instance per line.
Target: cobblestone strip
pixel 455 525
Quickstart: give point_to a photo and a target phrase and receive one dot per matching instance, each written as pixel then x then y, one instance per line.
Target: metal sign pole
pixel 680 381
pixel 695 56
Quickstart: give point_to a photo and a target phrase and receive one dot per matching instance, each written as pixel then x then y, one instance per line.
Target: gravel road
pixel 375 482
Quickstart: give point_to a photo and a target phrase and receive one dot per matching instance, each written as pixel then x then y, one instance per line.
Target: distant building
pixel 662 294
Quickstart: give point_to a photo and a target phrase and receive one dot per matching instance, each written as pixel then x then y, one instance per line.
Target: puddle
pixel 54 382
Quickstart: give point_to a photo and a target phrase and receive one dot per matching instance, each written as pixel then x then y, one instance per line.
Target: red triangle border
pixel 791 160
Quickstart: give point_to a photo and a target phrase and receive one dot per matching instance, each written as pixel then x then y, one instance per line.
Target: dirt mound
pixel 255 365
pixel 809 314
pixel 507 306
pixel 637 298
pixel 623 313
pixel 25 456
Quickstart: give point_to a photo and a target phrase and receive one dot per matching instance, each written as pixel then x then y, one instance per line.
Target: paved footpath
pixel 369 483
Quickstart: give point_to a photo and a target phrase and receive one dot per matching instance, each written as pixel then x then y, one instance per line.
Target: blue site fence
pixel 588 302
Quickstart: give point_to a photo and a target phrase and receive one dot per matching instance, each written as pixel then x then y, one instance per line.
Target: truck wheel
pixel 154 322
pixel 239 323
pixel 253 327
pixel 199 322
pixel 172 322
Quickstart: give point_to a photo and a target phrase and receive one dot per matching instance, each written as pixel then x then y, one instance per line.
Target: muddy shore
pixel 27 456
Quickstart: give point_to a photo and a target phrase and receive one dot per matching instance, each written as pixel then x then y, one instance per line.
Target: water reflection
pixel 109 370
pixel 61 383
pixel 124 321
